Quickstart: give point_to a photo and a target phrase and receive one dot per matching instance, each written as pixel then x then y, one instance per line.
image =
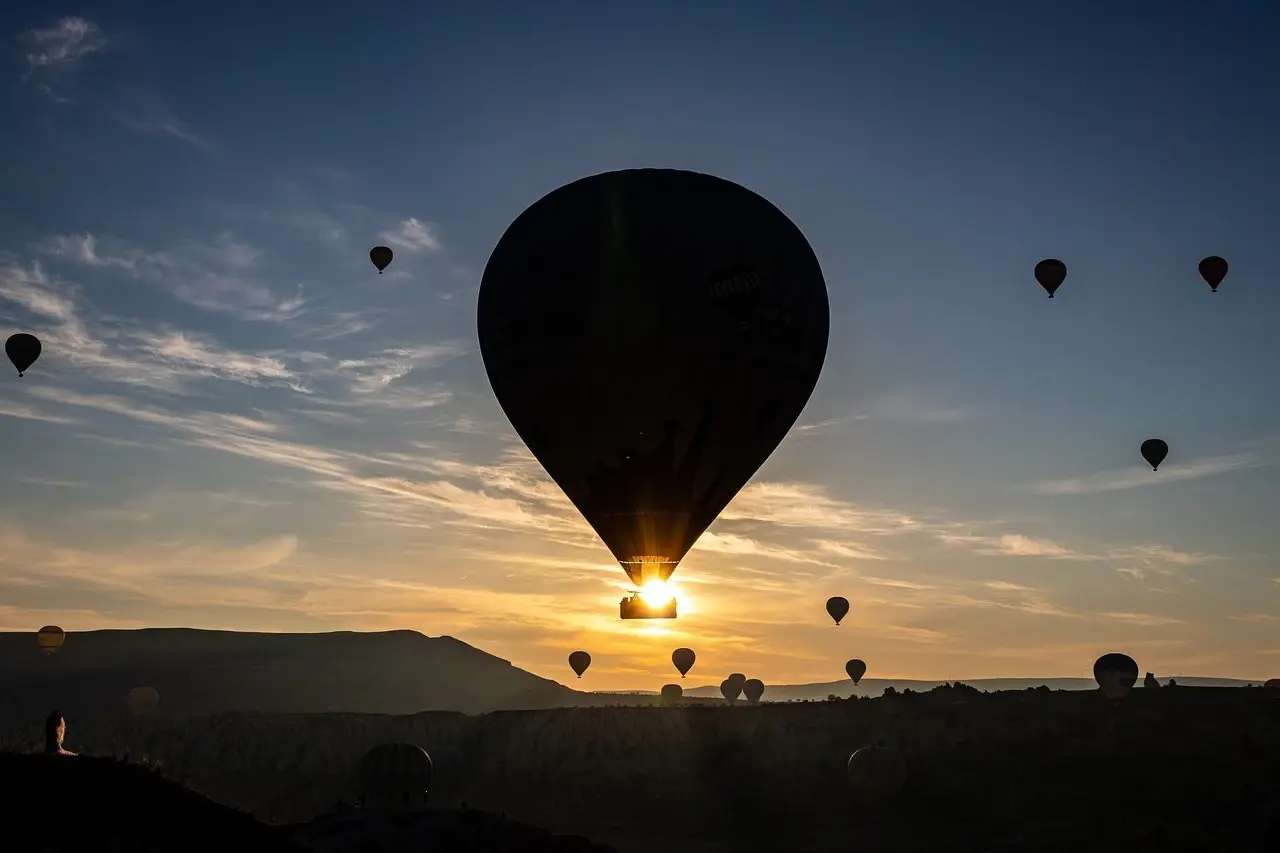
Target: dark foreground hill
pixel 1172 769
pixel 89 805
pixel 210 672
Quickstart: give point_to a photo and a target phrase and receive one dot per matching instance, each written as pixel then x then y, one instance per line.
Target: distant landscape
pixel 395 672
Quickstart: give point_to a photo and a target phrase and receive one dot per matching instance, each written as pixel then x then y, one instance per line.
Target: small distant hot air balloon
pixel 683 660
pixel 856 669
pixel 1051 273
pixel 579 661
pixel 876 773
pixel 143 700
pixel 381 257
pixel 395 775
pixel 753 690
pixel 671 693
pixel 23 350
pixel 51 638
pixel 1154 450
pixel 730 689
pixel 649 440
pixel 738 679
pixel 1213 270
pixel 837 607
pixel 1115 674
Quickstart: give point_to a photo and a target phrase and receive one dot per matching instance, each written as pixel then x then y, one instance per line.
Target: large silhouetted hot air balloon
pixel 1154 450
pixel 1213 270
pixel 652 335
pixel 50 638
pixel 730 689
pixel 671 693
pixel 143 700
pixel 579 661
pixel 738 678
pixel 395 775
pixel 1115 674
pixel 381 257
pixel 23 350
pixel 753 690
pixel 1051 273
pixel 683 660
pixel 855 669
pixel 876 773
pixel 837 607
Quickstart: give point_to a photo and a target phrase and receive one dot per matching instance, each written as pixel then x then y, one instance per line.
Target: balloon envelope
pixel 730 689
pixel 1213 270
pixel 855 669
pixel 1272 682
pixel 23 350
pixel 395 772
pixel 753 689
pixel 1115 674
pixel 1154 450
pixel 683 660
pixel 837 607
pixel 672 692
pixel 381 257
pixel 1051 273
pixel 876 773
pixel 143 700
pixel 579 661
pixel 652 335
pixel 50 638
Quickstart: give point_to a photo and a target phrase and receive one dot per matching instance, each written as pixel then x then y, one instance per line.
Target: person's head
pixel 55 729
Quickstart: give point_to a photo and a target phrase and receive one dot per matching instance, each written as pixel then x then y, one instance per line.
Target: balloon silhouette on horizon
pixel 730 689
pixel 50 638
pixel 753 689
pixel 1116 674
pixel 23 350
pixel 855 669
pixel 683 659
pixel 649 442
pixel 381 257
pixel 1154 450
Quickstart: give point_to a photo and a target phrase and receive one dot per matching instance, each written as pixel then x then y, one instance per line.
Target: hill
pixel 211 672
pixel 1181 768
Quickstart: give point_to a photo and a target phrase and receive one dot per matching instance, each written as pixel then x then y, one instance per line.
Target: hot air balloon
pixel 1154 450
pixel 51 638
pixel 652 335
pixel 837 607
pixel 738 679
pixel 381 257
pixel 730 689
pixel 753 690
pixel 671 693
pixel 1213 270
pixel 1115 674
pixel 23 350
pixel 579 661
pixel 1272 682
pixel 876 773
pixel 855 669
pixel 143 700
pixel 1051 273
pixel 395 775
pixel 683 660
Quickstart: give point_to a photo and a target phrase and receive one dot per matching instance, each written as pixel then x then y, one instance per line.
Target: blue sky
pixel 237 423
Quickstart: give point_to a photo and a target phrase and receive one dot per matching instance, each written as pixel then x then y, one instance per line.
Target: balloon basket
pixel 635 607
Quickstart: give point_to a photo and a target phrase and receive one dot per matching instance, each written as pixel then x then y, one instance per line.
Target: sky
pixel 236 423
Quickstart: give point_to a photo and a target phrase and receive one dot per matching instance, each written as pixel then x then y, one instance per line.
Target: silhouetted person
pixel 55 729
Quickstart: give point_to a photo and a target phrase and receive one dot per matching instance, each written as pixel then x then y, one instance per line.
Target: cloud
pixel 18 410
pixel 149 117
pixel 898 407
pixel 1262 618
pixel 1145 620
pixel 1132 478
pixel 412 236
pixel 62 47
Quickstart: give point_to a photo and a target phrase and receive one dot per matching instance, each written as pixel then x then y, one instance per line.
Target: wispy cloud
pixel 1145 620
pixel 903 407
pixel 61 48
pixel 412 236
pixel 147 114
pixel 1258 618
pixel 1137 477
